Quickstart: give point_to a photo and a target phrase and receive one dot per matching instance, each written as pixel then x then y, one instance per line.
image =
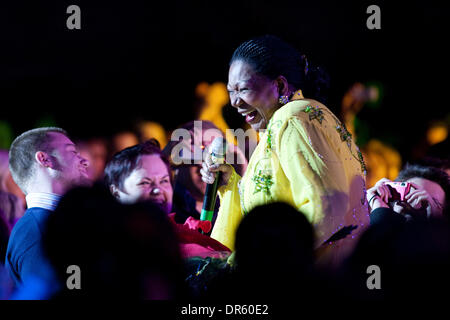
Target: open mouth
pixel 250 116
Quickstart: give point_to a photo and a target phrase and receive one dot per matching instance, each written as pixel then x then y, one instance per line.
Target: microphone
pixel 218 151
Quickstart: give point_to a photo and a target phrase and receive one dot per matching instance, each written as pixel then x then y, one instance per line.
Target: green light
pixel 376 94
pixel 6 135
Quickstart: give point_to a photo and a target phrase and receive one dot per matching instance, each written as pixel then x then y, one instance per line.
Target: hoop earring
pixel 283 100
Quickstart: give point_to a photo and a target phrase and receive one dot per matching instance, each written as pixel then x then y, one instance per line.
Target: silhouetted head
pixel 127 251
pixel 273 234
pixel 413 261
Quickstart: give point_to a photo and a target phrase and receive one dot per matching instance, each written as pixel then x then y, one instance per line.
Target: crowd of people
pixel 294 220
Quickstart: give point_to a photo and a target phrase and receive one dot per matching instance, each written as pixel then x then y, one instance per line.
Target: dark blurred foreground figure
pixel 409 241
pixel 123 251
pixel 274 257
pixel 413 261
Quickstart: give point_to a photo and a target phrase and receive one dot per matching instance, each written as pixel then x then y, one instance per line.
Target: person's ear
pixel 43 159
pixel 283 86
pixel 114 191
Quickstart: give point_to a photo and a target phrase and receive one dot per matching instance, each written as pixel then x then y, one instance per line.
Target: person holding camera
pixel 408 239
pixel 419 193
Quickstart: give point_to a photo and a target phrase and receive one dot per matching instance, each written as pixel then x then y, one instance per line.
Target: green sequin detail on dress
pixel 269 139
pixel 263 182
pixel 347 137
pixel 314 113
pixel 271 135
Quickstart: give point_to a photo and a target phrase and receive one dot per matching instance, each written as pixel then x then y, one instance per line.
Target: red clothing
pixel 195 244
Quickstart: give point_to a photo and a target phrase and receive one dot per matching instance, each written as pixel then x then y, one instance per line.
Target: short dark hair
pixel 272 57
pixel 23 150
pixel 430 173
pixel 125 161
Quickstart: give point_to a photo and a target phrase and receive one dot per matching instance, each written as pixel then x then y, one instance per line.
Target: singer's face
pixel 150 181
pixel 253 95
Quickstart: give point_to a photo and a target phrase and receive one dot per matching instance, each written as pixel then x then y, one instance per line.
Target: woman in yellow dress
pixel 305 157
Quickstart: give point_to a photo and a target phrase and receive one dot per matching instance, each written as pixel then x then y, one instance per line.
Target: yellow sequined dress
pixel 308 159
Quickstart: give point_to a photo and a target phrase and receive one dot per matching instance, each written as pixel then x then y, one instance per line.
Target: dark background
pixel 142 60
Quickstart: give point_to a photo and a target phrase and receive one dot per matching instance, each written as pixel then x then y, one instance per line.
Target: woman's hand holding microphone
pixel 209 169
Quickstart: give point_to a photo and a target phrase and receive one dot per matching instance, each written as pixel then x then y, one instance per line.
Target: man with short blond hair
pixel 45 164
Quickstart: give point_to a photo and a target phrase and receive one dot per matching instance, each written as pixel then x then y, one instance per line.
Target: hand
pixel 209 169
pixel 194 224
pixel 419 198
pixel 379 194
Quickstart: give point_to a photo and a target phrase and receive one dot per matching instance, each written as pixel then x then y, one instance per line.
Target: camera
pixel 398 190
